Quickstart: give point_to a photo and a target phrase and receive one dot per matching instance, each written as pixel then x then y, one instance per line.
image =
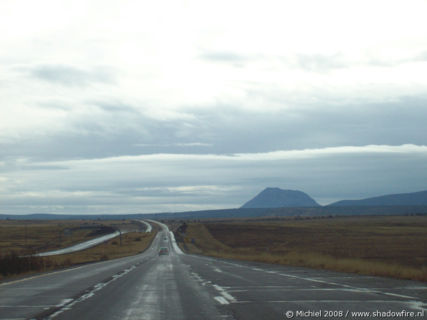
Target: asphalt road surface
pixel 180 286
pixel 148 227
pixel 81 246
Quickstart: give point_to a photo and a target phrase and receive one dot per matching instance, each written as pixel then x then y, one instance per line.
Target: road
pixel 148 227
pixel 180 286
pixel 91 243
pixel 80 246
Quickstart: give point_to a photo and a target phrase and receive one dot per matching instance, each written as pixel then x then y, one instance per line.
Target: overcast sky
pixel 153 106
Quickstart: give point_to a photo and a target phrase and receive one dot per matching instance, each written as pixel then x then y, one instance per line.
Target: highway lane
pixel 81 246
pixel 263 291
pixel 29 296
pixel 91 243
pixel 146 286
pixel 180 286
pixel 148 227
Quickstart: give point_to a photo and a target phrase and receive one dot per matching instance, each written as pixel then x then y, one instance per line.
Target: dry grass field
pixel 386 246
pixel 21 238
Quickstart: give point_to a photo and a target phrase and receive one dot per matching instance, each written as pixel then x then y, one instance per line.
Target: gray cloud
pixel 115 107
pixel 392 62
pixel 121 130
pixel 72 76
pixel 306 62
pixel 421 56
pixel 223 56
pixel 163 182
pixel 394 123
pixel 171 145
pixel 49 171
pixel 226 57
pixel 322 63
pixel 70 134
pixel 318 62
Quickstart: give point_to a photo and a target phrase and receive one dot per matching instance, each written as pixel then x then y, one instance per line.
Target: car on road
pixel 163 251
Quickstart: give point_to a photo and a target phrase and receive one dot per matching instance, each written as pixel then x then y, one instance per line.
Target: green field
pixel 394 246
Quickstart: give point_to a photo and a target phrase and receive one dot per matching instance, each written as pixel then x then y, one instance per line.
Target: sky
pixel 165 106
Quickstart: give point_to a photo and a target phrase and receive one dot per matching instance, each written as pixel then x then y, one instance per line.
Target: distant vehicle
pixel 163 251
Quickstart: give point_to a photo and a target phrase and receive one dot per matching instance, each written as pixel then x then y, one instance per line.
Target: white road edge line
pixel 221 300
pixel 63 302
pixel 224 293
pixel 71 302
pixel 342 285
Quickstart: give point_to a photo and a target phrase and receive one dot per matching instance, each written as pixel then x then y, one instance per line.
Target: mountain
pixel 400 199
pixel 278 198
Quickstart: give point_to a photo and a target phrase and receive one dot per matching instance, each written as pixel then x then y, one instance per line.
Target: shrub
pixel 14 264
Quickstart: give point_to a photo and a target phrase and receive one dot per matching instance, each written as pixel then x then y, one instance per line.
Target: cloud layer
pixel 171 182
pixel 127 106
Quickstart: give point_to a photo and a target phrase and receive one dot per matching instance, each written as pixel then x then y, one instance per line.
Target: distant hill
pixel 278 198
pixel 400 199
pixel 268 213
pixel 271 203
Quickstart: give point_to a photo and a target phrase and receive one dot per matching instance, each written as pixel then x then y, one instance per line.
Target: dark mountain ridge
pixel 268 213
pixel 399 199
pixel 395 204
pixel 278 198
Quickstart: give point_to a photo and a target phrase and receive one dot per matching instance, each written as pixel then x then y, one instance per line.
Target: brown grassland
pixel 19 238
pixel 393 246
